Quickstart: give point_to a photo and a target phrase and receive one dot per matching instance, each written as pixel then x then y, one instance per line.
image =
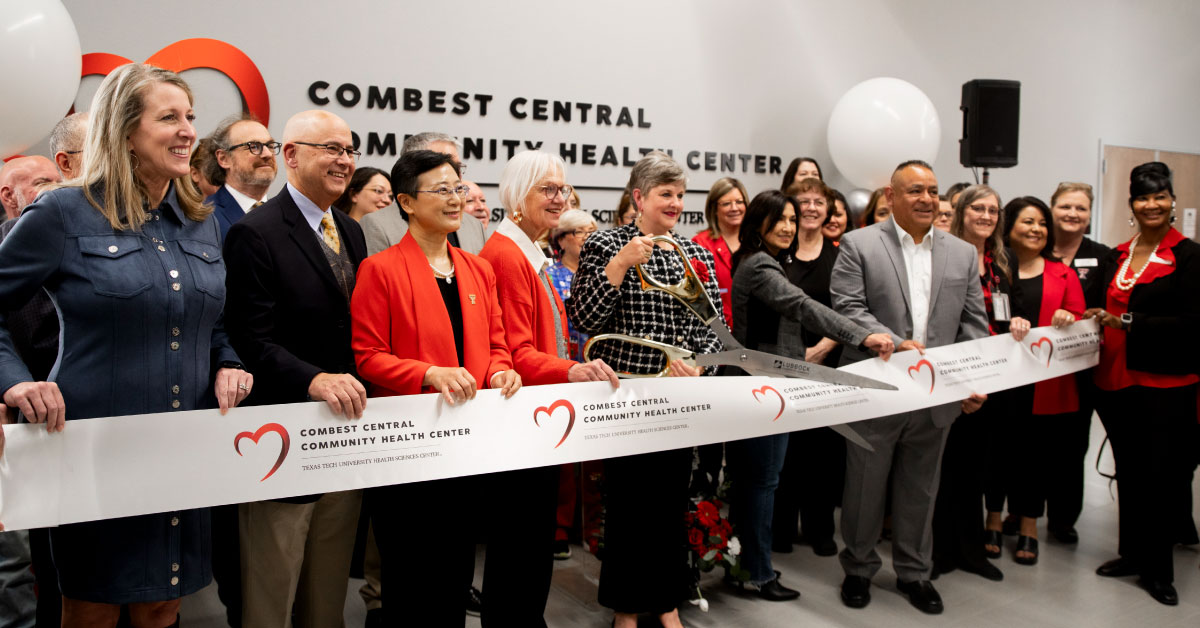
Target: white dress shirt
pixel 532 252
pixel 918 261
pixel 243 201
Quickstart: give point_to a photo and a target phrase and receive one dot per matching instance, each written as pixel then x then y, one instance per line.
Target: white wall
pixel 752 77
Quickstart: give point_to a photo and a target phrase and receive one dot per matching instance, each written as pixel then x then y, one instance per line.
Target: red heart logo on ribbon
pixel 763 391
pixel 269 427
pixel 561 403
pixel 1036 348
pixel 189 54
pixel 915 370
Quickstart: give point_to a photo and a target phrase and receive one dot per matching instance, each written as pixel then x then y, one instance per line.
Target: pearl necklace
pixel 440 274
pixel 1128 284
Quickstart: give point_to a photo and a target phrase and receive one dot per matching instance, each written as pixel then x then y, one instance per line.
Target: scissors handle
pixel 689 290
pixel 670 353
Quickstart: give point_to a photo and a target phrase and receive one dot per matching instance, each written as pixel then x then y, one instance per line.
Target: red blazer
pixel 528 314
pixel 400 327
pixel 723 264
pixel 1061 290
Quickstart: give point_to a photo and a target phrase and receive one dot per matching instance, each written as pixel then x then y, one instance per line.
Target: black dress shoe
pixel 1117 568
pixel 985 569
pixel 474 602
pixel 825 547
pixel 922 595
pixel 775 592
pixel 1163 592
pixel 856 591
pixel 1066 535
pixel 374 618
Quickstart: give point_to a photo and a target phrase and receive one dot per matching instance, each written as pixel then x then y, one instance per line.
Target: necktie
pixel 256 204
pixel 329 231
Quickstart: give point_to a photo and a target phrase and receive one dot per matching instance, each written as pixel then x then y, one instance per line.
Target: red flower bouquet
pixel 711 543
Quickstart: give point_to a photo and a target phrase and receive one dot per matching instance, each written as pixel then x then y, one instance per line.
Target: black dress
pixel 811 482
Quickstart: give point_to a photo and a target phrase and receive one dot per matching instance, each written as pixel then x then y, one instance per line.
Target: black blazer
pixel 1166 314
pixel 226 209
pixel 1090 275
pixel 284 312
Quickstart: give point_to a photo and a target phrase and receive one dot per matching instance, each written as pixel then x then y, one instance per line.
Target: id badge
pixel 1000 309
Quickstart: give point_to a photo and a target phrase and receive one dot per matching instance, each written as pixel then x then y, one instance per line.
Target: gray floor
pixel 1061 590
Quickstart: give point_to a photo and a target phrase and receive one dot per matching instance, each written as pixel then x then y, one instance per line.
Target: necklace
pixel 1128 284
pixel 441 274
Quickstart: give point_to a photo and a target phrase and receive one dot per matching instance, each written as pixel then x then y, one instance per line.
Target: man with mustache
pixel 291 269
pixel 243 165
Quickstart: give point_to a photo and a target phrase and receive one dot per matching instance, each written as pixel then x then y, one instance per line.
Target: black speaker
pixel 991 121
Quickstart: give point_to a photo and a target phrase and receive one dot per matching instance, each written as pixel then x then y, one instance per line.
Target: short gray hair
pixel 69 133
pixel 570 220
pixel 655 169
pixel 524 171
pixel 421 141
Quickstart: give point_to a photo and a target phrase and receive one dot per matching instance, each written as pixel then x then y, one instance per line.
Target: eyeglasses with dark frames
pixel 333 150
pixel 256 148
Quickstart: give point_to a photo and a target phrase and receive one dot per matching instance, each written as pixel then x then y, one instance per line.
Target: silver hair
pixel 421 141
pixel 68 134
pixel 655 169
pixel 570 220
pixel 524 171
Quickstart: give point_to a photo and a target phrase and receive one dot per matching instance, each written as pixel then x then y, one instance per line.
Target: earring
pixel 1172 215
pixel 134 157
pixel 1131 223
pixel 517 216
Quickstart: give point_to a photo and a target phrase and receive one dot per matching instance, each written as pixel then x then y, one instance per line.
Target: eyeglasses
pixel 984 209
pixel 445 191
pixel 583 233
pixel 333 150
pixel 552 191
pixel 380 191
pixel 728 204
pixel 256 148
pixel 72 152
pixel 808 202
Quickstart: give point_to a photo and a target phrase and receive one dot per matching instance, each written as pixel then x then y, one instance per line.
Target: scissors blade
pixel 762 363
pixel 848 432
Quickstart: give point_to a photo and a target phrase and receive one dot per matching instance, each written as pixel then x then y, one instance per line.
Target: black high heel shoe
pixel 993 537
pixel 1026 544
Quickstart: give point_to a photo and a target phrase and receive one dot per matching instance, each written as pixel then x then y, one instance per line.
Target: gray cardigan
pixel 760 277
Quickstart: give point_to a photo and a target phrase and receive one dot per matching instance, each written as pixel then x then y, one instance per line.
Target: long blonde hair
pixel 107 162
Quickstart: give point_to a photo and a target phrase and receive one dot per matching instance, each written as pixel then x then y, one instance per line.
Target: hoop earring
pixel 136 161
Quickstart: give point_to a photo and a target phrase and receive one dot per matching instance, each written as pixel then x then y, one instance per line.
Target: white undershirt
pixel 918 261
pixel 243 201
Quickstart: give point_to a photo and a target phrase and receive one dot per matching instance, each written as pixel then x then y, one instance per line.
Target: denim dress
pixel 141 332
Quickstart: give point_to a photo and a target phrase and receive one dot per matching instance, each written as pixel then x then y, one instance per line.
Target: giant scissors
pixel 690 292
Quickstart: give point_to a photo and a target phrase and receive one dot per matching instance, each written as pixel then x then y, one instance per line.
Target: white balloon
pixel 878 124
pixel 856 202
pixel 40 70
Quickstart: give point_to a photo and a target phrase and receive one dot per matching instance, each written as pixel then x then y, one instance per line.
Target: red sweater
pixel 723 264
pixel 1061 290
pixel 528 314
pixel 400 326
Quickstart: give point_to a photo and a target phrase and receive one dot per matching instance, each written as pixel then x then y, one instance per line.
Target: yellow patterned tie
pixel 329 230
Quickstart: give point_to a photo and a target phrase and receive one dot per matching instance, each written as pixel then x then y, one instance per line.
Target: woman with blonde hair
pixel 133 261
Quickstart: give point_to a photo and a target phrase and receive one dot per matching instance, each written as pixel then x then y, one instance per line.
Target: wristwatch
pixel 1126 321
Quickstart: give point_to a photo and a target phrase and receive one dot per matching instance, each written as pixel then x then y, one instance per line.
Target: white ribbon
pixel 131 465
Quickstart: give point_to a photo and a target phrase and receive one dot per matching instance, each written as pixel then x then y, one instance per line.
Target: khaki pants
pixel 297 554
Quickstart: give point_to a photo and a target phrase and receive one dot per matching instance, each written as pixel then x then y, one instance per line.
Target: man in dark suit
pixel 919 284
pixel 243 165
pixel 291 267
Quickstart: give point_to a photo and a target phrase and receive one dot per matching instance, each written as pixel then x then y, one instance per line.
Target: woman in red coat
pixel 520 551
pixel 426 318
pixel 1048 292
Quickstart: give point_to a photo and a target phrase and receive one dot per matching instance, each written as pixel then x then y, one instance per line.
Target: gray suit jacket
pixel 870 287
pixel 760 278
pixel 385 227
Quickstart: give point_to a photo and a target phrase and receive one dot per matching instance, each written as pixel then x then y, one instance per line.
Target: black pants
pixel 958 511
pixel 426 537
pixel 810 485
pixel 645 554
pixel 1000 456
pixel 49 599
pixel 226 561
pixel 1064 489
pixel 1155 441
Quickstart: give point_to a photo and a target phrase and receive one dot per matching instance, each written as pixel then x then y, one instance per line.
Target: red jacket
pixel 723 264
pixel 528 314
pixel 1061 290
pixel 400 327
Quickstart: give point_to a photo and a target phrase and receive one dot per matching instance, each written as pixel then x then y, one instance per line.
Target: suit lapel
pixel 891 244
pixel 937 263
pixel 306 239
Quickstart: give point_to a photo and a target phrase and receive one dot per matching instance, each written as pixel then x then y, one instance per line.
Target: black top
pixel 813 278
pixel 1026 299
pixel 1086 264
pixel 454 308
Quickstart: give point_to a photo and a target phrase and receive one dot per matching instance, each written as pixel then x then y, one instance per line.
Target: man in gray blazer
pixel 385 227
pixel 920 285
